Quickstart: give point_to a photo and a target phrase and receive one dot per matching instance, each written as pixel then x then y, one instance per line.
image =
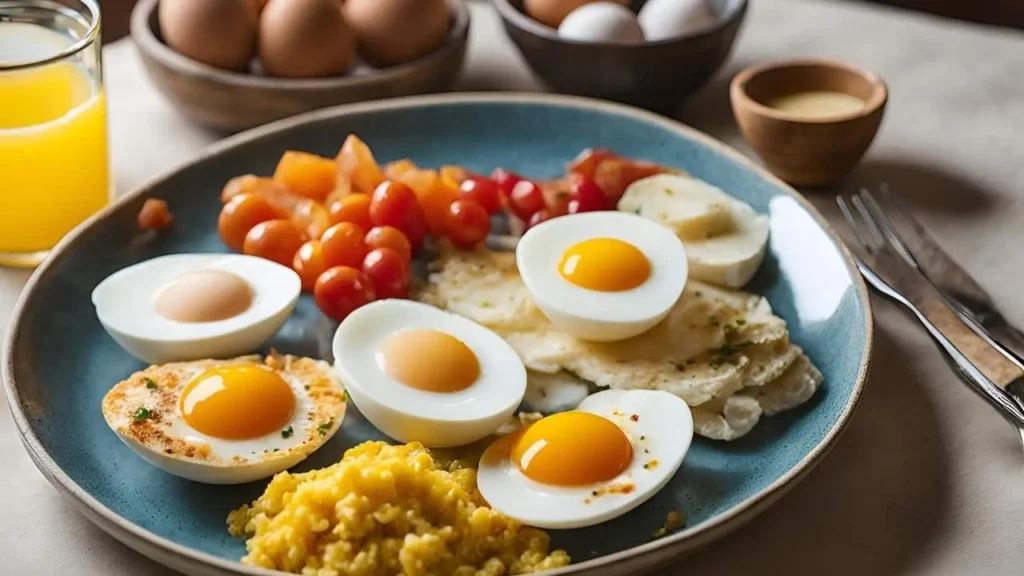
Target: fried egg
pixel 602 276
pixel 422 374
pixel 589 465
pixel 227 421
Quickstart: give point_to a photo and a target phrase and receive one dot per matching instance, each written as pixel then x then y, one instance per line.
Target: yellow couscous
pixel 387 510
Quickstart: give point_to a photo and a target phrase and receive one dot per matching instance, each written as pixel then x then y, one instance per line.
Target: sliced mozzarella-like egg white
pixel 390 354
pixel 657 427
pixel 725 238
pixel 602 276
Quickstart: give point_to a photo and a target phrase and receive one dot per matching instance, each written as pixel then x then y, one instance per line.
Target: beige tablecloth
pixel 927 479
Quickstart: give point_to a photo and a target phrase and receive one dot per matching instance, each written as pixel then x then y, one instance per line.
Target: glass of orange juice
pixel 54 169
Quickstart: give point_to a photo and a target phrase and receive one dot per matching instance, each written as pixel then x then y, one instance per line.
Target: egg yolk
pixel 429 360
pixel 572 449
pixel 604 265
pixel 237 402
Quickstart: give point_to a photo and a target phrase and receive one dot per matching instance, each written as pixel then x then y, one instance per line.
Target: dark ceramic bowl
pixel 232 101
pixel 656 75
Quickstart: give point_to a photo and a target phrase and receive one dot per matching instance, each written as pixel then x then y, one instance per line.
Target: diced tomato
pixel 586 196
pixel 526 199
pixel 585 164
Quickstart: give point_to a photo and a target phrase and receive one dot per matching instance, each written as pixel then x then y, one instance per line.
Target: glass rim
pixel 91 35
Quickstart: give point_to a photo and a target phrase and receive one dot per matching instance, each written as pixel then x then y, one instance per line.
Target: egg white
pixel 666 426
pixel 125 305
pixel 437 420
pixel 592 314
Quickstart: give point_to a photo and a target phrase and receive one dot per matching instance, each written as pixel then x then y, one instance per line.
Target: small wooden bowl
pixel 231 101
pixel 807 151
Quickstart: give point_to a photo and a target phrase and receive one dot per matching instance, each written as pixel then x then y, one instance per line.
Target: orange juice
pixel 54 170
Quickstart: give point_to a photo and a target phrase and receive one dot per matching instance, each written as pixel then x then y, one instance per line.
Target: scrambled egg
pixel 722 351
pixel 386 510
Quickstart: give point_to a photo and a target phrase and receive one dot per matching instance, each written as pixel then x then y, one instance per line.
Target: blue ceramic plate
pixel 60 362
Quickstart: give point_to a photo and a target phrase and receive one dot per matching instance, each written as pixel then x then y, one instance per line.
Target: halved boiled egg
pixel 195 306
pixel 227 421
pixel 422 374
pixel 587 466
pixel 602 276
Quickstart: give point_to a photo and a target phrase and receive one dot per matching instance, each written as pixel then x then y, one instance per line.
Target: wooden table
pixel 927 479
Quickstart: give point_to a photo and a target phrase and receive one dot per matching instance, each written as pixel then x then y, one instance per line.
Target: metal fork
pixel 885 263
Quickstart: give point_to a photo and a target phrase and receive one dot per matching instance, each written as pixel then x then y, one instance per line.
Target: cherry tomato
pixel 505 180
pixel 155 215
pixel 390 273
pixel 395 204
pixel 239 216
pixel 468 224
pixel 354 208
pixel 586 196
pixel 389 237
pixel 341 290
pixel 343 245
pixel 526 199
pixel 586 163
pixel 482 191
pixel 276 240
pixel 539 216
pixel 309 263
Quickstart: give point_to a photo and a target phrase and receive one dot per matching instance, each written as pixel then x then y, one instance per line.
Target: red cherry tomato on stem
pixel 526 199
pixel 341 290
pixel 390 273
pixel 395 204
pixel 467 224
pixel 343 245
pixel 586 196
pixel 505 180
pixel 482 191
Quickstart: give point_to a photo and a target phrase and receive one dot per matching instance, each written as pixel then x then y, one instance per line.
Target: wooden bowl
pixel 657 75
pixel 807 151
pixel 233 101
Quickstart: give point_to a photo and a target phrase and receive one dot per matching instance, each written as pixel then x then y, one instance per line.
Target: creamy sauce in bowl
pixel 817 104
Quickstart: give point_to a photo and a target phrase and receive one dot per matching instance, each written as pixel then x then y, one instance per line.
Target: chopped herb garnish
pixel 149 383
pixel 277 449
pixel 669 191
pixel 740 321
pixel 726 351
pixel 324 428
pixel 642 438
pixel 594 493
pixel 287 432
pixel 698 293
pixel 306 386
pixel 348 397
pixel 143 413
pixel 646 451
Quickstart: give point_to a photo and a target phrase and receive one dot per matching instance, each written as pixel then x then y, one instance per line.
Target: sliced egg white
pixel 435 419
pixel 125 305
pixel 596 315
pixel 660 428
pixel 725 238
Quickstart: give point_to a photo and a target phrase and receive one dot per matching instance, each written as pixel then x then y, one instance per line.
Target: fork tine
pixel 851 222
pixel 872 226
pixel 900 208
pixel 887 227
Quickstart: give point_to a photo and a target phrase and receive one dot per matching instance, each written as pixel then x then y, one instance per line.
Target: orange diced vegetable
pixel 614 175
pixel 155 215
pixel 311 217
pixel 394 170
pixel 357 169
pixel 275 193
pixel 452 176
pixel 306 174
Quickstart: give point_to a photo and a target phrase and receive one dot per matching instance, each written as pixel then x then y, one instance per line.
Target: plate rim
pixel 179 556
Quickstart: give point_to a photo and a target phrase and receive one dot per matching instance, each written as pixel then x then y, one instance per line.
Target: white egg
pixel 663 19
pixel 126 306
pixel 595 314
pixel 659 428
pixel 437 419
pixel 602 22
pixel 269 432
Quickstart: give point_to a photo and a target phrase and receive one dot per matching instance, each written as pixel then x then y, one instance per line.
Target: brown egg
pixel 392 32
pixel 552 12
pixel 220 33
pixel 305 39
